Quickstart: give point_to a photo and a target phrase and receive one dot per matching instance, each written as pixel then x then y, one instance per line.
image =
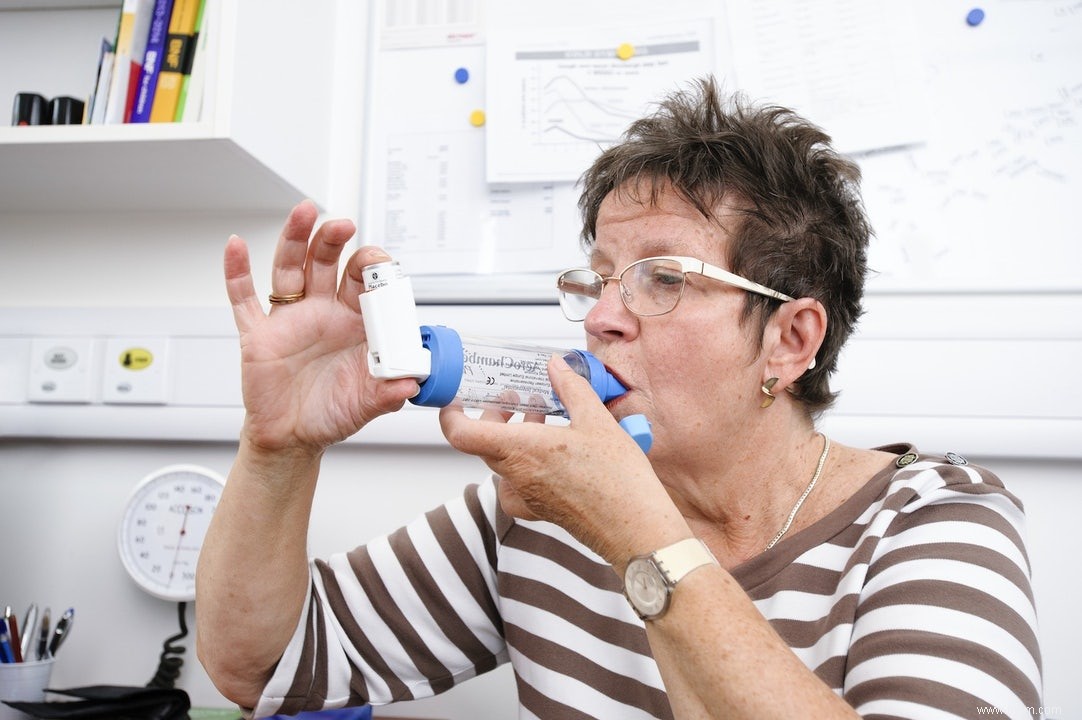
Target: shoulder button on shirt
pixel 907 459
pixel 956 459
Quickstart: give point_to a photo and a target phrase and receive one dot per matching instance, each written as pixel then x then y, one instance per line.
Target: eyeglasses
pixel 648 287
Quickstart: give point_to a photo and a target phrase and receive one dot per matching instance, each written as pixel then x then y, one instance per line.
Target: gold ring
pixel 285 299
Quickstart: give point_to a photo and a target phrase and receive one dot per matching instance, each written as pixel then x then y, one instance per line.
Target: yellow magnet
pixel 625 51
pixel 477 118
pixel 136 358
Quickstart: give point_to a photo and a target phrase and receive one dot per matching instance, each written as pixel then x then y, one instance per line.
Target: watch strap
pixel 677 560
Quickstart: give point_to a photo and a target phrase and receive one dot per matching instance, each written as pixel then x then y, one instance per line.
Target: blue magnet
pixel 975 17
pixel 462 76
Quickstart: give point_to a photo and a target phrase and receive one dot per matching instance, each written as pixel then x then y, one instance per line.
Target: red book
pixel 130 48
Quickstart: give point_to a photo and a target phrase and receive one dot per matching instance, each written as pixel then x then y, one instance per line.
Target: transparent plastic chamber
pixel 510 376
pixel 470 371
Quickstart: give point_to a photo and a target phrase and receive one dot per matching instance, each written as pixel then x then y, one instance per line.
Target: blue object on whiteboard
pixel 975 17
pixel 462 75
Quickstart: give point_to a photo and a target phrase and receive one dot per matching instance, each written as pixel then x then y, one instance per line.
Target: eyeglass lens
pixel 648 287
pixel 579 292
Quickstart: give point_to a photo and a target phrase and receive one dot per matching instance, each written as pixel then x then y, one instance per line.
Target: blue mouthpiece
pixel 601 380
pixel 608 387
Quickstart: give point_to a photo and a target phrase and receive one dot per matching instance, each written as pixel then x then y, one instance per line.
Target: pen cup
pixel 24 681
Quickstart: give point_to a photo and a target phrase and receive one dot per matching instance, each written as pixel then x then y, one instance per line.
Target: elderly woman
pixel 748 567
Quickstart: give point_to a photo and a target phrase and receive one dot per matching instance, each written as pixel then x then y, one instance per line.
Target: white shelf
pixel 126 167
pixel 57 4
pixel 263 143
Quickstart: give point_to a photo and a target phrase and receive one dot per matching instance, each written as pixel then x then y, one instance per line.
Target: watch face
pixel 645 588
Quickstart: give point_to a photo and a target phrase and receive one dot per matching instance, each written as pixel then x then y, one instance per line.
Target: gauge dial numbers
pixel 163 527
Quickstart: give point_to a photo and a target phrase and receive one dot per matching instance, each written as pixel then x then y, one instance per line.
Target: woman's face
pixel 692 371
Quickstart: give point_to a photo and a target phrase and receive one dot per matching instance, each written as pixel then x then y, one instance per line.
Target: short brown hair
pixel 803 230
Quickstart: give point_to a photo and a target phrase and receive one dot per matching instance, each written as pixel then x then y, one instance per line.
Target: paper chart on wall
pixel 556 98
pixel 846 65
pixel 425 197
pixel 439 216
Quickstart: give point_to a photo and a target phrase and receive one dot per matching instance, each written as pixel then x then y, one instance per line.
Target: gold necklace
pixel 803 495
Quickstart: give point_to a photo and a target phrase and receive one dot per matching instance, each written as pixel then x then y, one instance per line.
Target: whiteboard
pixel 969 136
pixel 986 202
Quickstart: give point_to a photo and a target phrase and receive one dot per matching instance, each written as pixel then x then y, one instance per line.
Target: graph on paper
pixel 554 105
pixel 562 109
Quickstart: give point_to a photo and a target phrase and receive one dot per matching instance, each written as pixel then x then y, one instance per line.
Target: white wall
pixel 60 549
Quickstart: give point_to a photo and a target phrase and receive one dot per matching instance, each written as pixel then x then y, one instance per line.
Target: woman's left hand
pixel 589 477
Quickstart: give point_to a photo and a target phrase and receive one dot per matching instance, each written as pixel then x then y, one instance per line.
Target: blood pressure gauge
pixel 163 527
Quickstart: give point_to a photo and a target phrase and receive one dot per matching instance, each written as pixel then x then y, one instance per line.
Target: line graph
pixel 567 112
pixel 575 96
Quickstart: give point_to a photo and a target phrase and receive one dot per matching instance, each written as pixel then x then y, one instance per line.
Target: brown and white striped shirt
pixel 912 599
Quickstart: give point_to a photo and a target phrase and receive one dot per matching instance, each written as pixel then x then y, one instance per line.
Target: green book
pixel 189 59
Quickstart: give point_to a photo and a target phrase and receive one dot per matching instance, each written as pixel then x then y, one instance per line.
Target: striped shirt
pixel 911 599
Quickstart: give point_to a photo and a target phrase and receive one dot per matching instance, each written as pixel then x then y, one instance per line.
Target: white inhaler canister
pixel 390 323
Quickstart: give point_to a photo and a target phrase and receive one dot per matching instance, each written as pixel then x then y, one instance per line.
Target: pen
pixel 13 635
pixel 14 641
pixel 43 636
pixel 30 622
pixel 6 655
pixel 63 627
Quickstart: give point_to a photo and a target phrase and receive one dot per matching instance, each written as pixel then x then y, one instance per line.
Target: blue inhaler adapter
pixel 444 347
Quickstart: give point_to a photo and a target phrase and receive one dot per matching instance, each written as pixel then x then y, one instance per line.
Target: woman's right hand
pixel 304 372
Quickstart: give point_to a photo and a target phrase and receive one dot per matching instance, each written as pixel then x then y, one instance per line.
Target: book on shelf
pixel 96 106
pixel 197 105
pixel 197 42
pixel 152 61
pixel 178 48
pixel 130 47
pixel 99 93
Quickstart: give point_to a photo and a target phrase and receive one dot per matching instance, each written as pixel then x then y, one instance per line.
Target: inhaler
pixel 472 372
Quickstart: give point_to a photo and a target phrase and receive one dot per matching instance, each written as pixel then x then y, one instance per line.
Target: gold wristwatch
pixel 650 579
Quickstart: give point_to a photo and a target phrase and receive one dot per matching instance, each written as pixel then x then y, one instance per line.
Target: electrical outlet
pixel 135 371
pixel 61 370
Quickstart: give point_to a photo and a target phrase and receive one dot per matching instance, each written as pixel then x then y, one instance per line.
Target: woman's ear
pixel 800 327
